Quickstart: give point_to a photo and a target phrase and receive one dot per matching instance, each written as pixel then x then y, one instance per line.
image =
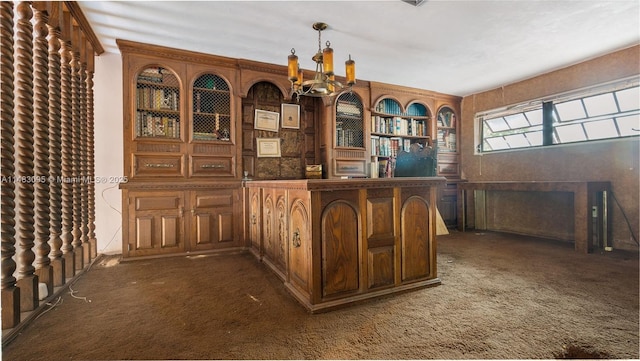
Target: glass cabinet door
pixel 349 121
pixel 211 109
pixel 157 104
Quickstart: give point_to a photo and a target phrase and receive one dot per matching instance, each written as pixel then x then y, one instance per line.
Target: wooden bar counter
pixel 339 241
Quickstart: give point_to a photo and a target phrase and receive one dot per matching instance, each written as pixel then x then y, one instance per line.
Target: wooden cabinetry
pixel 180 138
pixel 335 242
pixel 393 118
pixel 344 134
pixel 163 221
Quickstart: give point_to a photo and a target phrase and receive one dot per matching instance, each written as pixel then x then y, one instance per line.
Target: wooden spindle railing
pixel 47 198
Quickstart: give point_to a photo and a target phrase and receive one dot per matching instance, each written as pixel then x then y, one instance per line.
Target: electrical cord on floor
pixel 624 215
pixel 115 209
pixel 51 306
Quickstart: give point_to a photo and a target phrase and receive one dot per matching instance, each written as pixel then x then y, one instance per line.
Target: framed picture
pixel 268 147
pixel 291 116
pixel 266 120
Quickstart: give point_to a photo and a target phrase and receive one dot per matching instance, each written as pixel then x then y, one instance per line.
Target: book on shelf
pixel 446 119
pixel 152 98
pixel 375 145
pixel 348 108
pixel 374 168
pixel 150 125
pixel 152 75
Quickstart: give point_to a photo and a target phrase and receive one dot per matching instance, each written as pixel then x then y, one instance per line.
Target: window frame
pixel 552 122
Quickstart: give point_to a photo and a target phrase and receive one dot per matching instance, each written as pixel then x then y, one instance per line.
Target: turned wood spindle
pixel 67 159
pixel 10 293
pixel 27 280
pixel 55 158
pixel 91 166
pixel 41 148
pixel 76 145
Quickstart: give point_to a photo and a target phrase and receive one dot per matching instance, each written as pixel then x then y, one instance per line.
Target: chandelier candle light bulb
pixel 324 82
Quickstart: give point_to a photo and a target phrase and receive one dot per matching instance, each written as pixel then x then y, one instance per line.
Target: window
pixel 603 113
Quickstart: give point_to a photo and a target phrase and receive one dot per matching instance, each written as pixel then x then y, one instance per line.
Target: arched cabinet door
pixel 349 126
pixel 157 104
pixel 348 146
pixel 211 109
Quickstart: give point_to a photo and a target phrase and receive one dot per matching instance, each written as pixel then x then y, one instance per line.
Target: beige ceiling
pixel 454 47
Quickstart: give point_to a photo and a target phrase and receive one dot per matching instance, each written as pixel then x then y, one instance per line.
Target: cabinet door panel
pixel 415 239
pixel 203 228
pixel 340 261
pixel 212 217
pixel 255 219
pixel 381 267
pixel 268 227
pixel 156 223
pixel 169 231
pixel 300 246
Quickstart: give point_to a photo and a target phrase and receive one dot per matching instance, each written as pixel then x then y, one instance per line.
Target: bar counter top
pixel 351 183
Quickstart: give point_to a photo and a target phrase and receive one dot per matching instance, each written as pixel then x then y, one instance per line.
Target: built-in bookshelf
pixel 157 104
pixel 394 130
pixel 447 135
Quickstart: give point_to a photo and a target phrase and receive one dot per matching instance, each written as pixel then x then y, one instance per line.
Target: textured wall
pixel 610 160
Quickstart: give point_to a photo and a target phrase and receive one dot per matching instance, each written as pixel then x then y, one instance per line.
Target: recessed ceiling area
pixel 453 47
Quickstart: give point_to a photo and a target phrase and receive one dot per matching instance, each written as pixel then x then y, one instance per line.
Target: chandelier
pixel 324 81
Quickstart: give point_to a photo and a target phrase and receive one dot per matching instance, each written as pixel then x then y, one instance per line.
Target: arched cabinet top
pixel 390 105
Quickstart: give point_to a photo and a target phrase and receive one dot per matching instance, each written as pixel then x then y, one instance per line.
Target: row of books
pixel 349 138
pixel 388 147
pixel 446 119
pixel 381 168
pixel 153 98
pixel 348 109
pixel 398 125
pixel 153 75
pixel 151 125
pixel 446 140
